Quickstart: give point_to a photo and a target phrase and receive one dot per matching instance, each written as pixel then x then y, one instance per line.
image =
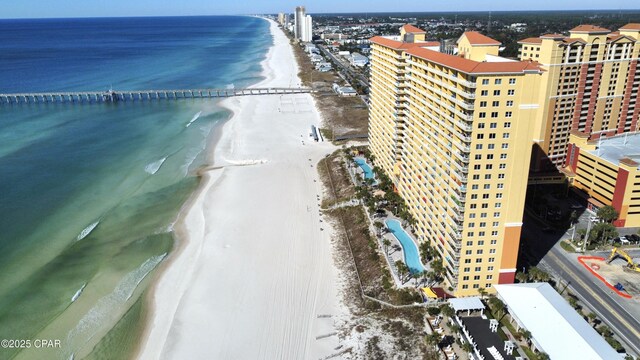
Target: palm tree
pixel 402 269
pixel 447 311
pixel 542 356
pixel 526 335
pixel 466 347
pixel 522 277
pixel 592 317
pixel 497 306
pixel 433 339
pixel 482 292
pixel 386 243
pixel 378 225
pixel 607 213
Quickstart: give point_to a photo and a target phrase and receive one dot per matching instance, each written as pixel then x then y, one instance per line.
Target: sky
pixel 108 8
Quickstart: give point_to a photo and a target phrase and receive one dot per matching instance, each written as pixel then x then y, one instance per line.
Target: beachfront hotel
pixel 589 84
pixel 454 133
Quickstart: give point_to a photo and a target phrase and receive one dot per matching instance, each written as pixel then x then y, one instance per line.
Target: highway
pixel 604 302
pixel 346 69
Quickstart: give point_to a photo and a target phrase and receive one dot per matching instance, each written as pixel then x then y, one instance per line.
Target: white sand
pixel 253 270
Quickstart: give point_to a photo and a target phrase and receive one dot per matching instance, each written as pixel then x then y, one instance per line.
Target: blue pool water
pixel 368 172
pixel 409 248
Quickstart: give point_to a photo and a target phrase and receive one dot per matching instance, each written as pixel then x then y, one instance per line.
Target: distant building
pixel 282 19
pixel 298 24
pixel 344 90
pixel 358 60
pixel 307 34
pixel 607 173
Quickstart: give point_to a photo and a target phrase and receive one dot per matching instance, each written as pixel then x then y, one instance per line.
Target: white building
pixel 298 22
pixel 555 327
pixel 307 33
pixel 358 60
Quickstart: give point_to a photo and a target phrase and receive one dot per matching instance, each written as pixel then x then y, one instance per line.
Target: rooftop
pixel 401 45
pixel 615 148
pixel 474 67
pixel 554 325
pixel 631 26
pixel 475 38
pixel 412 29
pixel 590 29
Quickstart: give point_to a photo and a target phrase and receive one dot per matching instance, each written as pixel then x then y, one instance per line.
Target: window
pixel 482 115
pixel 485 206
pixel 476 167
pixel 480 136
pixel 503 156
pixel 485 196
pixel 500 176
pixel 474 187
pixel 491 146
pixel 478 157
pixel 471 225
pixel 494 233
pixel 474 196
pixel 483 104
pixel 478 146
pixel 499 196
pixel 509 103
pixel 469 243
pixel 489 277
pixel 476 277
pixel 466 269
pixel 473 206
pixel 512 81
pixel 493 125
pixel 470 233
pixel 500 186
pixel 503 166
pixel 485 81
pixel 480 125
pixel 487 176
pixel 505 135
pixel 476 286
pixel 496 223
pixel 490 268
pixel 505 145
pixel 468 252
pixel 484 92
pixel 483 224
pixel 494 241
pixel 495 103
pixel 496 92
pixel 494 114
pixel 492 260
pixel 486 187
pixel 492 136
pixel 508 114
pixel 492 251
pixel 496 214
pixel 498 81
pixel 489 166
pixel 465 278
pixel 476 177
pixel 498 205
pixel 467 261
pixel 510 92
pixel 464 287
pixel 481 242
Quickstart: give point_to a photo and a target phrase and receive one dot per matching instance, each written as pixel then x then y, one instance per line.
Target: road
pixel 361 79
pixel 604 302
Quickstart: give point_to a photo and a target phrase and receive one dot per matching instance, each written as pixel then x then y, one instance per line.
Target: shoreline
pixel 172 283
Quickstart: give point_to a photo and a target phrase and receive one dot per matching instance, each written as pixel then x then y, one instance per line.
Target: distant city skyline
pixel 103 8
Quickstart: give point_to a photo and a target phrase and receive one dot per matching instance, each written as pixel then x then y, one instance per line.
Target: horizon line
pixel 311 13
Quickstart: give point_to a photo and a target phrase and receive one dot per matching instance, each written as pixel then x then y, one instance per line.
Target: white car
pixel 624 240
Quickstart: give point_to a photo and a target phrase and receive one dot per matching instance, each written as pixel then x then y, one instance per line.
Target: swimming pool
pixel 409 247
pixel 368 172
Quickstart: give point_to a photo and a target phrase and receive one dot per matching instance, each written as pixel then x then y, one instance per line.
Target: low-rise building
pixel 606 173
pixel 358 60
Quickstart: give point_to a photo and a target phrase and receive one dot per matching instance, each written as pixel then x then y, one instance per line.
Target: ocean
pixel 89 192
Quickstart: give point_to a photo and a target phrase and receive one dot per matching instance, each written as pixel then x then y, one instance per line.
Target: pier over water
pixel 140 95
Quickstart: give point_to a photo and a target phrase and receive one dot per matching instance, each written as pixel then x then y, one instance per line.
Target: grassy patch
pixel 567 247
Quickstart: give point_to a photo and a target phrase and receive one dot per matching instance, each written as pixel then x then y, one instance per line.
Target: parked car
pixel 634 238
pixel 624 240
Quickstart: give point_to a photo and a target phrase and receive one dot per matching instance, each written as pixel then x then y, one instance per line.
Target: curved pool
pixel 368 172
pixel 409 247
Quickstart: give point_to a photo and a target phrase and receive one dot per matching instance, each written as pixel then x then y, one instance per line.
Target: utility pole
pixel 586 237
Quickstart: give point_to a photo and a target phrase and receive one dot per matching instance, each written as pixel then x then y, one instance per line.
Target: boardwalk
pixel 139 95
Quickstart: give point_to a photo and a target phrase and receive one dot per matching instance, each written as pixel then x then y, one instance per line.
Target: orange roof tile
pixel 631 26
pixel 474 67
pixel 589 29
pixel 569 40
pixel 400 45
pixel 412 29
pixel 531 40
pixel 552 36
pixel 475 38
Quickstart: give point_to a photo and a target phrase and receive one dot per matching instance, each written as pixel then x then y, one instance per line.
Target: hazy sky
pixel 82 8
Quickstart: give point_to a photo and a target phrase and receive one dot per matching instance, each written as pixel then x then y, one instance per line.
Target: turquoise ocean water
pixel 88 193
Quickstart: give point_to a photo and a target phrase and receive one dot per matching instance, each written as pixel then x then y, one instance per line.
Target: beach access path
pixel 253 276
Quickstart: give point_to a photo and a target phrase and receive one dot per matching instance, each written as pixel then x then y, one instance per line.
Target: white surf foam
pixel 230 86
pixel 247 162
pixel 86 231
pixel 101 312
pixel 153 167
pixel 195 117
pixel 77 294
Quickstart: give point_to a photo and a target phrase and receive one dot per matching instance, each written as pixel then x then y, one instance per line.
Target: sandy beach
pixel 253 275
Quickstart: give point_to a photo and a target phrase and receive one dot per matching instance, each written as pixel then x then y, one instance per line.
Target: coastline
pixel 176 319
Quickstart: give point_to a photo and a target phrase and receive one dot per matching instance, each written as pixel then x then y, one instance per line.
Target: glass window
pixel 497 92
pixel 512 81
pixel 498 81
pixel 485 81
pixel 510 92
